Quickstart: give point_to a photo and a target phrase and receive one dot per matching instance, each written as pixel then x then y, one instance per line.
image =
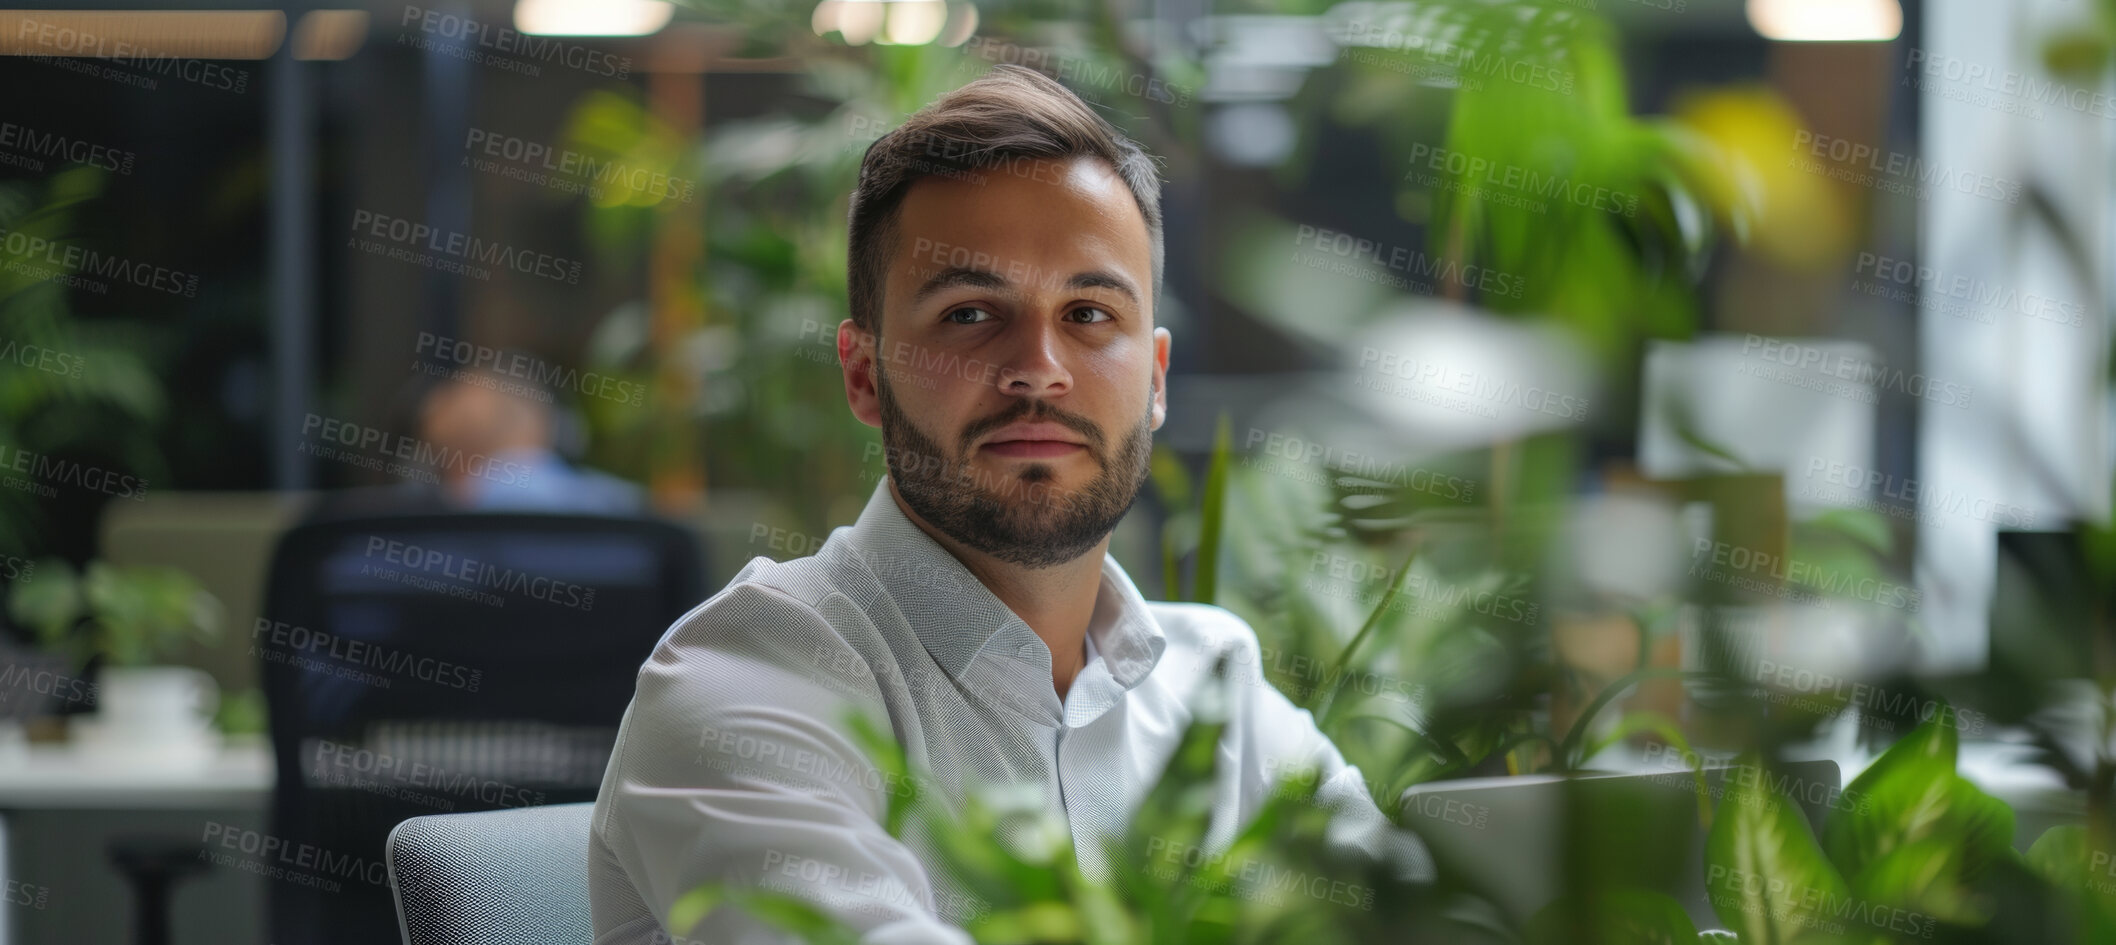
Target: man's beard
pixel 1019 517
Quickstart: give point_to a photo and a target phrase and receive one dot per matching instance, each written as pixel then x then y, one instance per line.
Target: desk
pixel 64 777
pixel 59 805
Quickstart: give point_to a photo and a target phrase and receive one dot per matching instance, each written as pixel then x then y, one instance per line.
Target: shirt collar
pixel 956 617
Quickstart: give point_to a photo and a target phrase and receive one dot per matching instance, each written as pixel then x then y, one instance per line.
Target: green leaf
pixel 1924 879
pixel 1205 588
pixel 1928 741
pixel 888 755
pixel 2060 855
pixel 2067 857
pixel 1764 874
pixel 1645 721
pixel 1569 747
pixel 694 906
pixel 787 913
pixel 1619 917
pixel 51 602
pixel 1916 795
pixel 1333 682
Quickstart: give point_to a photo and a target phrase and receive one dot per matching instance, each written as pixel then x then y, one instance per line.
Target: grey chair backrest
pixel 518 877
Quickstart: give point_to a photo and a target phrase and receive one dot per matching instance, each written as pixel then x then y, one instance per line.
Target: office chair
pixel 425 664
pixel 502 877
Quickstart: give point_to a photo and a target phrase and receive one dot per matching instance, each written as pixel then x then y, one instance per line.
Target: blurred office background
pixel 377 382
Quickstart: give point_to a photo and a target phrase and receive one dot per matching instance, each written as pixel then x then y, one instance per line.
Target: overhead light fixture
pixel 592 17
pixel 1827 21
pixel 329 34
pixel 914 22
pixel 895 22
pixel 143 34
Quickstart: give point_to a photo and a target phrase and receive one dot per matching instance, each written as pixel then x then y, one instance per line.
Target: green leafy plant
pixel 1930 856
pixel 95 394
pixel 128 615
pixel 1164 882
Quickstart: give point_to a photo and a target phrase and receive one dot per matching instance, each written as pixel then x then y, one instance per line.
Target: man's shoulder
pixel 787 596
pixel 1198 634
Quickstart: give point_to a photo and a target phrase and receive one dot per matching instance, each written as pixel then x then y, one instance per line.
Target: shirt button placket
pixel 1058 758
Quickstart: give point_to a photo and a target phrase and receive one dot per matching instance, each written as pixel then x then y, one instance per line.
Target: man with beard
pixel 1005 252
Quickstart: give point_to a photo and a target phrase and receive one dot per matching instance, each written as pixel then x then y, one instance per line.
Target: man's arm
pixel 1290 744
pixel 735 767
pixel 1356 823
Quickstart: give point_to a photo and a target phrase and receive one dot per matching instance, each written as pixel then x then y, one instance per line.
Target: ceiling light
pixel 592 17
pixel 914 22
pixel 1827 21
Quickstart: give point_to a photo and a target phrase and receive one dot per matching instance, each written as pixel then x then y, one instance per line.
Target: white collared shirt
pixel 734 765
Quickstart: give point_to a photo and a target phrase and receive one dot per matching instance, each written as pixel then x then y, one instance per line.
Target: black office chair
pixel 445 663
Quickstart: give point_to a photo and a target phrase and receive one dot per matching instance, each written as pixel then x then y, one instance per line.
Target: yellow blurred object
pixel 1802 220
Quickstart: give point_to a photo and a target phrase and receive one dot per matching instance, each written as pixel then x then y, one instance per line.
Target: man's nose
pixel 1036 367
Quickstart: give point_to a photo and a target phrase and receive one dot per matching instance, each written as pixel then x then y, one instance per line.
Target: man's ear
pixel 1159 377
pixel 856 356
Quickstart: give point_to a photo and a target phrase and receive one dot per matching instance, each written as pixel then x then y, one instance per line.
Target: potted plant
pixel 126 620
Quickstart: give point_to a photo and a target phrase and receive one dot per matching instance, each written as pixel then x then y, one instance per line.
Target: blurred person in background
pixel 1005 253
pixel 491 443
pixel 508 427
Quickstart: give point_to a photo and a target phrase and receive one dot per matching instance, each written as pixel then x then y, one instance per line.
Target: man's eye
pixel 1092 314
pixel 957 315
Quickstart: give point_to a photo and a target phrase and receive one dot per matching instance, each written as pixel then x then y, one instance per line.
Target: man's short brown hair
pixel 1006 117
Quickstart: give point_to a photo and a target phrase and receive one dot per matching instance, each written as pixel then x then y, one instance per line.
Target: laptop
pixel 1517 841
